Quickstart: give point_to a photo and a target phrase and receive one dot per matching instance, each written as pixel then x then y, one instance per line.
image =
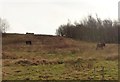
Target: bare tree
pixel 3 25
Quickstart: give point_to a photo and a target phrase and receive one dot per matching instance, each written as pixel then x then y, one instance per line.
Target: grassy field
pixel 57 58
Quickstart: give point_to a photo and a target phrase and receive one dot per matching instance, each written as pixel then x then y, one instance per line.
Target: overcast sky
pixel 45 16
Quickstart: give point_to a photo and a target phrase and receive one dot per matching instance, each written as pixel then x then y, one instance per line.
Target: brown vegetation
pixel 49 57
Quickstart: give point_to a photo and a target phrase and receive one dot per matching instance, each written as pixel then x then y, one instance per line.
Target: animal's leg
pixel 96 48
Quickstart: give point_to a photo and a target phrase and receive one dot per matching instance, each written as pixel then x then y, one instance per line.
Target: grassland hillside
pixel 56 58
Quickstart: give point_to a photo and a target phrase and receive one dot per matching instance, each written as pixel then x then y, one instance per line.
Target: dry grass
pixel 112 57
pixel 59 53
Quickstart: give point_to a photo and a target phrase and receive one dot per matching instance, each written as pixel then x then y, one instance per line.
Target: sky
pixel 45 16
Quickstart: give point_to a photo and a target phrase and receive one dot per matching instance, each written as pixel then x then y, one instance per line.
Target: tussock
pixel 112 57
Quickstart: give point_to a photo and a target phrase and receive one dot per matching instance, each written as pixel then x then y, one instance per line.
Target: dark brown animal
pixel 28 43
pixel 100 46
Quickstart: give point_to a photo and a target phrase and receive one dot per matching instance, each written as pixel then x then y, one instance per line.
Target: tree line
pixel 91 29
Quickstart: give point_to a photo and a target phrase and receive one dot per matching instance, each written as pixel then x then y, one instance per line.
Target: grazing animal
pixel 28 43
pixel 100 46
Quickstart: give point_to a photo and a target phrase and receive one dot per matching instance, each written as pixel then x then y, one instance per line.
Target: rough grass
pixel 62 72
pixel 57 58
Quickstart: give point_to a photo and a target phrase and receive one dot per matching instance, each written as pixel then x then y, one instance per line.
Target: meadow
pixel 57 58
